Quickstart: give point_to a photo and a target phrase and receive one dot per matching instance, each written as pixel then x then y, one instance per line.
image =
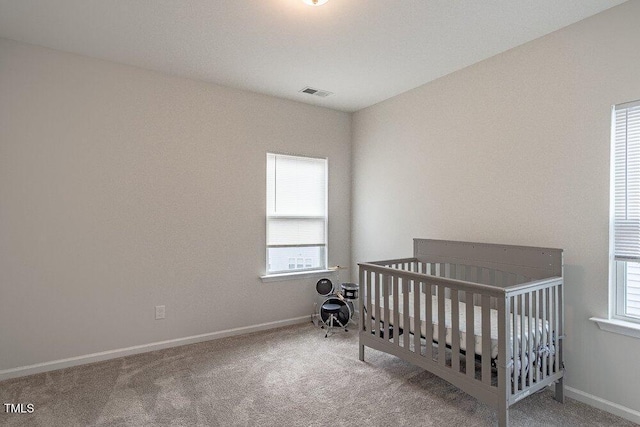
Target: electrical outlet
pixel 160 312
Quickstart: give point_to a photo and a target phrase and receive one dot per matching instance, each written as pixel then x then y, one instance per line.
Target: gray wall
pixel 513 150
pixel 122 189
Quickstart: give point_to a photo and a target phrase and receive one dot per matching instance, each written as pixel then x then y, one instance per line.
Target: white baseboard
pixel 113 354
pixel 605 405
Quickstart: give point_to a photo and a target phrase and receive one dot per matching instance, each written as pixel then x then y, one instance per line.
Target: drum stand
pixel 333 310
pixel 353 320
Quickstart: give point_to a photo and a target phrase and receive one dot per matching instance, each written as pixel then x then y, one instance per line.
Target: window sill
pixel 617 326
pixel 293 276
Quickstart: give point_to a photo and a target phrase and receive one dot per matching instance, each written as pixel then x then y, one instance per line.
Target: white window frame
pixel 618 267
pixel 618 321
pixel 301 272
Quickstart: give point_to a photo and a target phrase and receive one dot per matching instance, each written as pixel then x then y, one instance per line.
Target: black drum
pixel 324 287
pixel 346 310
pixel 349 290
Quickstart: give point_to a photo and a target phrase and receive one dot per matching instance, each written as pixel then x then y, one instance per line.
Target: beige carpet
pixel 285 377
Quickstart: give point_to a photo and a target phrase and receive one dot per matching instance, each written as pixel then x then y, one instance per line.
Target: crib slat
pixel 455 331
pixel 560 327
pixel 386 279
pixel 552 331
pixel 372 302
pixel 396 311
pixel 428 317
pixel 362 299
pixel 384 303
pixel 376 286
pixel 531 332
pixel 503 347
pixel 556 329
pixel 545 332
pixel 522 341
pixel 406 283
pixel 416 317
pixel 471 340
pixel 367 300
pixel 442 333
pixel 486 339
pixel 514 340
pixel 537 337
pixel 552 309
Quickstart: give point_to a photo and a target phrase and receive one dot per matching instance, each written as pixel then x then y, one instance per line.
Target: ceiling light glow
pixel 315 2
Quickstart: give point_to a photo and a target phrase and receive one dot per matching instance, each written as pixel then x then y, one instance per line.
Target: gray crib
pixel 487 318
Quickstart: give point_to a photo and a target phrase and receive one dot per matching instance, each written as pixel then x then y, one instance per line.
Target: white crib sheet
pixel 477 327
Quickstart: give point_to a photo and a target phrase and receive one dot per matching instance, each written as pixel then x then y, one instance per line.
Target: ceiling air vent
pixel 316 92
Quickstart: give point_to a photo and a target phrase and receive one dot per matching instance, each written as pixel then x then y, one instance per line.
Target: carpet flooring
pixel 291 376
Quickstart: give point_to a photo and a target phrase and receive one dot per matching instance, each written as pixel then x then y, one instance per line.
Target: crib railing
pixel 399 297
pixel 539 350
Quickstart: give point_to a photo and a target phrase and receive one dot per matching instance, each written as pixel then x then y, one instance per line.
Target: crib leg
pixel 560 390
pixel 361 355
pixel 503 417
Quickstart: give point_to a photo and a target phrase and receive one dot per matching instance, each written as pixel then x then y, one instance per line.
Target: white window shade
pixel 296 186
pixel 295 231
pixel 627 182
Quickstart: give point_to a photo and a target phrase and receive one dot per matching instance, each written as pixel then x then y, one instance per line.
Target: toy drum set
pixel 337 308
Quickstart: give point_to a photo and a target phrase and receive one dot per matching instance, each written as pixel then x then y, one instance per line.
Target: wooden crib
pixel 500 342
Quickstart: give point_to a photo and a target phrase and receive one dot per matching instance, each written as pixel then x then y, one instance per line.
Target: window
pixel 626 211
pixel 296 213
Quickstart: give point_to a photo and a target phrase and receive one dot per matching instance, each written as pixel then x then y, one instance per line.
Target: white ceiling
pixel 364 51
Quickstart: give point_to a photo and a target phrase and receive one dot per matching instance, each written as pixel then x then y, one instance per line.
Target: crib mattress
pixel 477 324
